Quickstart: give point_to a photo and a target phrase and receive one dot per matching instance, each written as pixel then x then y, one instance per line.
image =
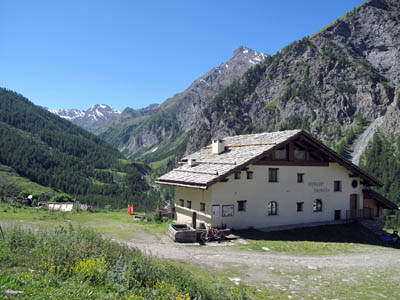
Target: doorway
pixel 337 214
pixel 353 202
pixel 353 206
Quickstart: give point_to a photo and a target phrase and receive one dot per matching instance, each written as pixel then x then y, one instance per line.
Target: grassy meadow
pixel 48 254
pixel 68 263
pixel 113 223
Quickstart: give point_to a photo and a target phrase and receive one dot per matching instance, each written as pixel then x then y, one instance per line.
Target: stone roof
pixel 239 150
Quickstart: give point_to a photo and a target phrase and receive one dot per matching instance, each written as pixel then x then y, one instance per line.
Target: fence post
pixel 2 234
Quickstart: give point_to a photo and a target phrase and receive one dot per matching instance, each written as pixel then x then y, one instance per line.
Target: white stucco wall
pixel 318 184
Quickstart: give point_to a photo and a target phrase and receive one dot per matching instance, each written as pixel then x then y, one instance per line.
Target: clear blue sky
pixel 74 54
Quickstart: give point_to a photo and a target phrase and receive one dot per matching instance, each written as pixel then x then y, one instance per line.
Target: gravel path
pixel 269 269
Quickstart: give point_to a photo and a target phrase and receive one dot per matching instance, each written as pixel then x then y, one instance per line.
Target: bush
pixel 62 198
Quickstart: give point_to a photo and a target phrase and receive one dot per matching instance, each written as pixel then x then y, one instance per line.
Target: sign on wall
pixel 227 210
pixel 215 210
pixel 318 187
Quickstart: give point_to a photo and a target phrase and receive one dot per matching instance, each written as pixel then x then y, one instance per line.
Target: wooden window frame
pixel 337 186
pixel 300 177
pixel 300 206
pixel 272 208
pixel 317 205
pixel 284 156
pixel 274 178
pixel 242 205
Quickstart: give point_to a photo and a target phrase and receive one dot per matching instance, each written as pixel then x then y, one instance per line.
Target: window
pixel 272 208
pixel 227 210
pixel 202 207
pixel 354 183
pixel 300 206
pixel 281 154
pixel 317 205
pixel 181 202
pixel 337 186
pixel 215 210
pixel 273 175
pixel 237 175
pixel 249 175
pixel 189 204
pixel 242 205
pixel 300 177
pixel 299 154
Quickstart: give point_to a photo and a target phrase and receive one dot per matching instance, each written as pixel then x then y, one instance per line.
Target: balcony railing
pixel 360 214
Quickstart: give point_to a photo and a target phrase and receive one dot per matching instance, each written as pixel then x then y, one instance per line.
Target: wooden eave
pixel 342 161
pixel 386 203
pixel 182 184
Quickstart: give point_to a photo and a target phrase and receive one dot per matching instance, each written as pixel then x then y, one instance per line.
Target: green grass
pixel 312 241
pixel 68 263
pixel 326 283
pixel 161 163
pixel 272 104
pixel 13 183
pixel 305 247
pixel 116 224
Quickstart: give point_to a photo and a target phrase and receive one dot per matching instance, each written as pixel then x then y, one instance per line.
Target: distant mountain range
pixel 94 119
pixel 135 132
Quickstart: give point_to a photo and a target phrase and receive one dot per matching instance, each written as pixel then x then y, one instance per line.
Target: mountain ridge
pixel 320 83
pixel 134 132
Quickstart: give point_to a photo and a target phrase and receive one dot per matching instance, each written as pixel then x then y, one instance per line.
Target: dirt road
pixel 280 271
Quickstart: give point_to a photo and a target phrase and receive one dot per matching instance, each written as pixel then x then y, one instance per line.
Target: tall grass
pixel 78 264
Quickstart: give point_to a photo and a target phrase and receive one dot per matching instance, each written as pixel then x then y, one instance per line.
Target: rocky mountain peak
pixel 101 111
pixel 68 114
pixel 253 57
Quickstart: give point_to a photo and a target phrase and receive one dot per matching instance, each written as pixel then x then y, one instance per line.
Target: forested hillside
pixel 56 153
pixel 382 159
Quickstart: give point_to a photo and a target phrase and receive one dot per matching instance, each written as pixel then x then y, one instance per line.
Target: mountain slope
pixel 179 114
pixel 55 153
pixel 324 84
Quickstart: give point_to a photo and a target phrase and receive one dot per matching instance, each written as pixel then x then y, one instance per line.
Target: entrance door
pixel 353 202
pixel 353 206
pixel 337 214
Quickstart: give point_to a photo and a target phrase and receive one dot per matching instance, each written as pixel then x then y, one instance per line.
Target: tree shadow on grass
pixel 340 233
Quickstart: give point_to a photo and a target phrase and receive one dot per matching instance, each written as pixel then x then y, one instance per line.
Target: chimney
pixel 218 146
pixel 192 162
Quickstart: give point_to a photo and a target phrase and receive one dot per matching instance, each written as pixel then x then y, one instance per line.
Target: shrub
pixel 62 198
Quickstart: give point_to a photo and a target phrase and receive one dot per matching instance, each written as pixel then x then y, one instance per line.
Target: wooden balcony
pixel 360 214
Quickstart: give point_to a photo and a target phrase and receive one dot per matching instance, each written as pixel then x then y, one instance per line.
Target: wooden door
pixel 353 202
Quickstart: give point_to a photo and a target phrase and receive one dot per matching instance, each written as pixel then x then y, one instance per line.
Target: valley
pixel 340 85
